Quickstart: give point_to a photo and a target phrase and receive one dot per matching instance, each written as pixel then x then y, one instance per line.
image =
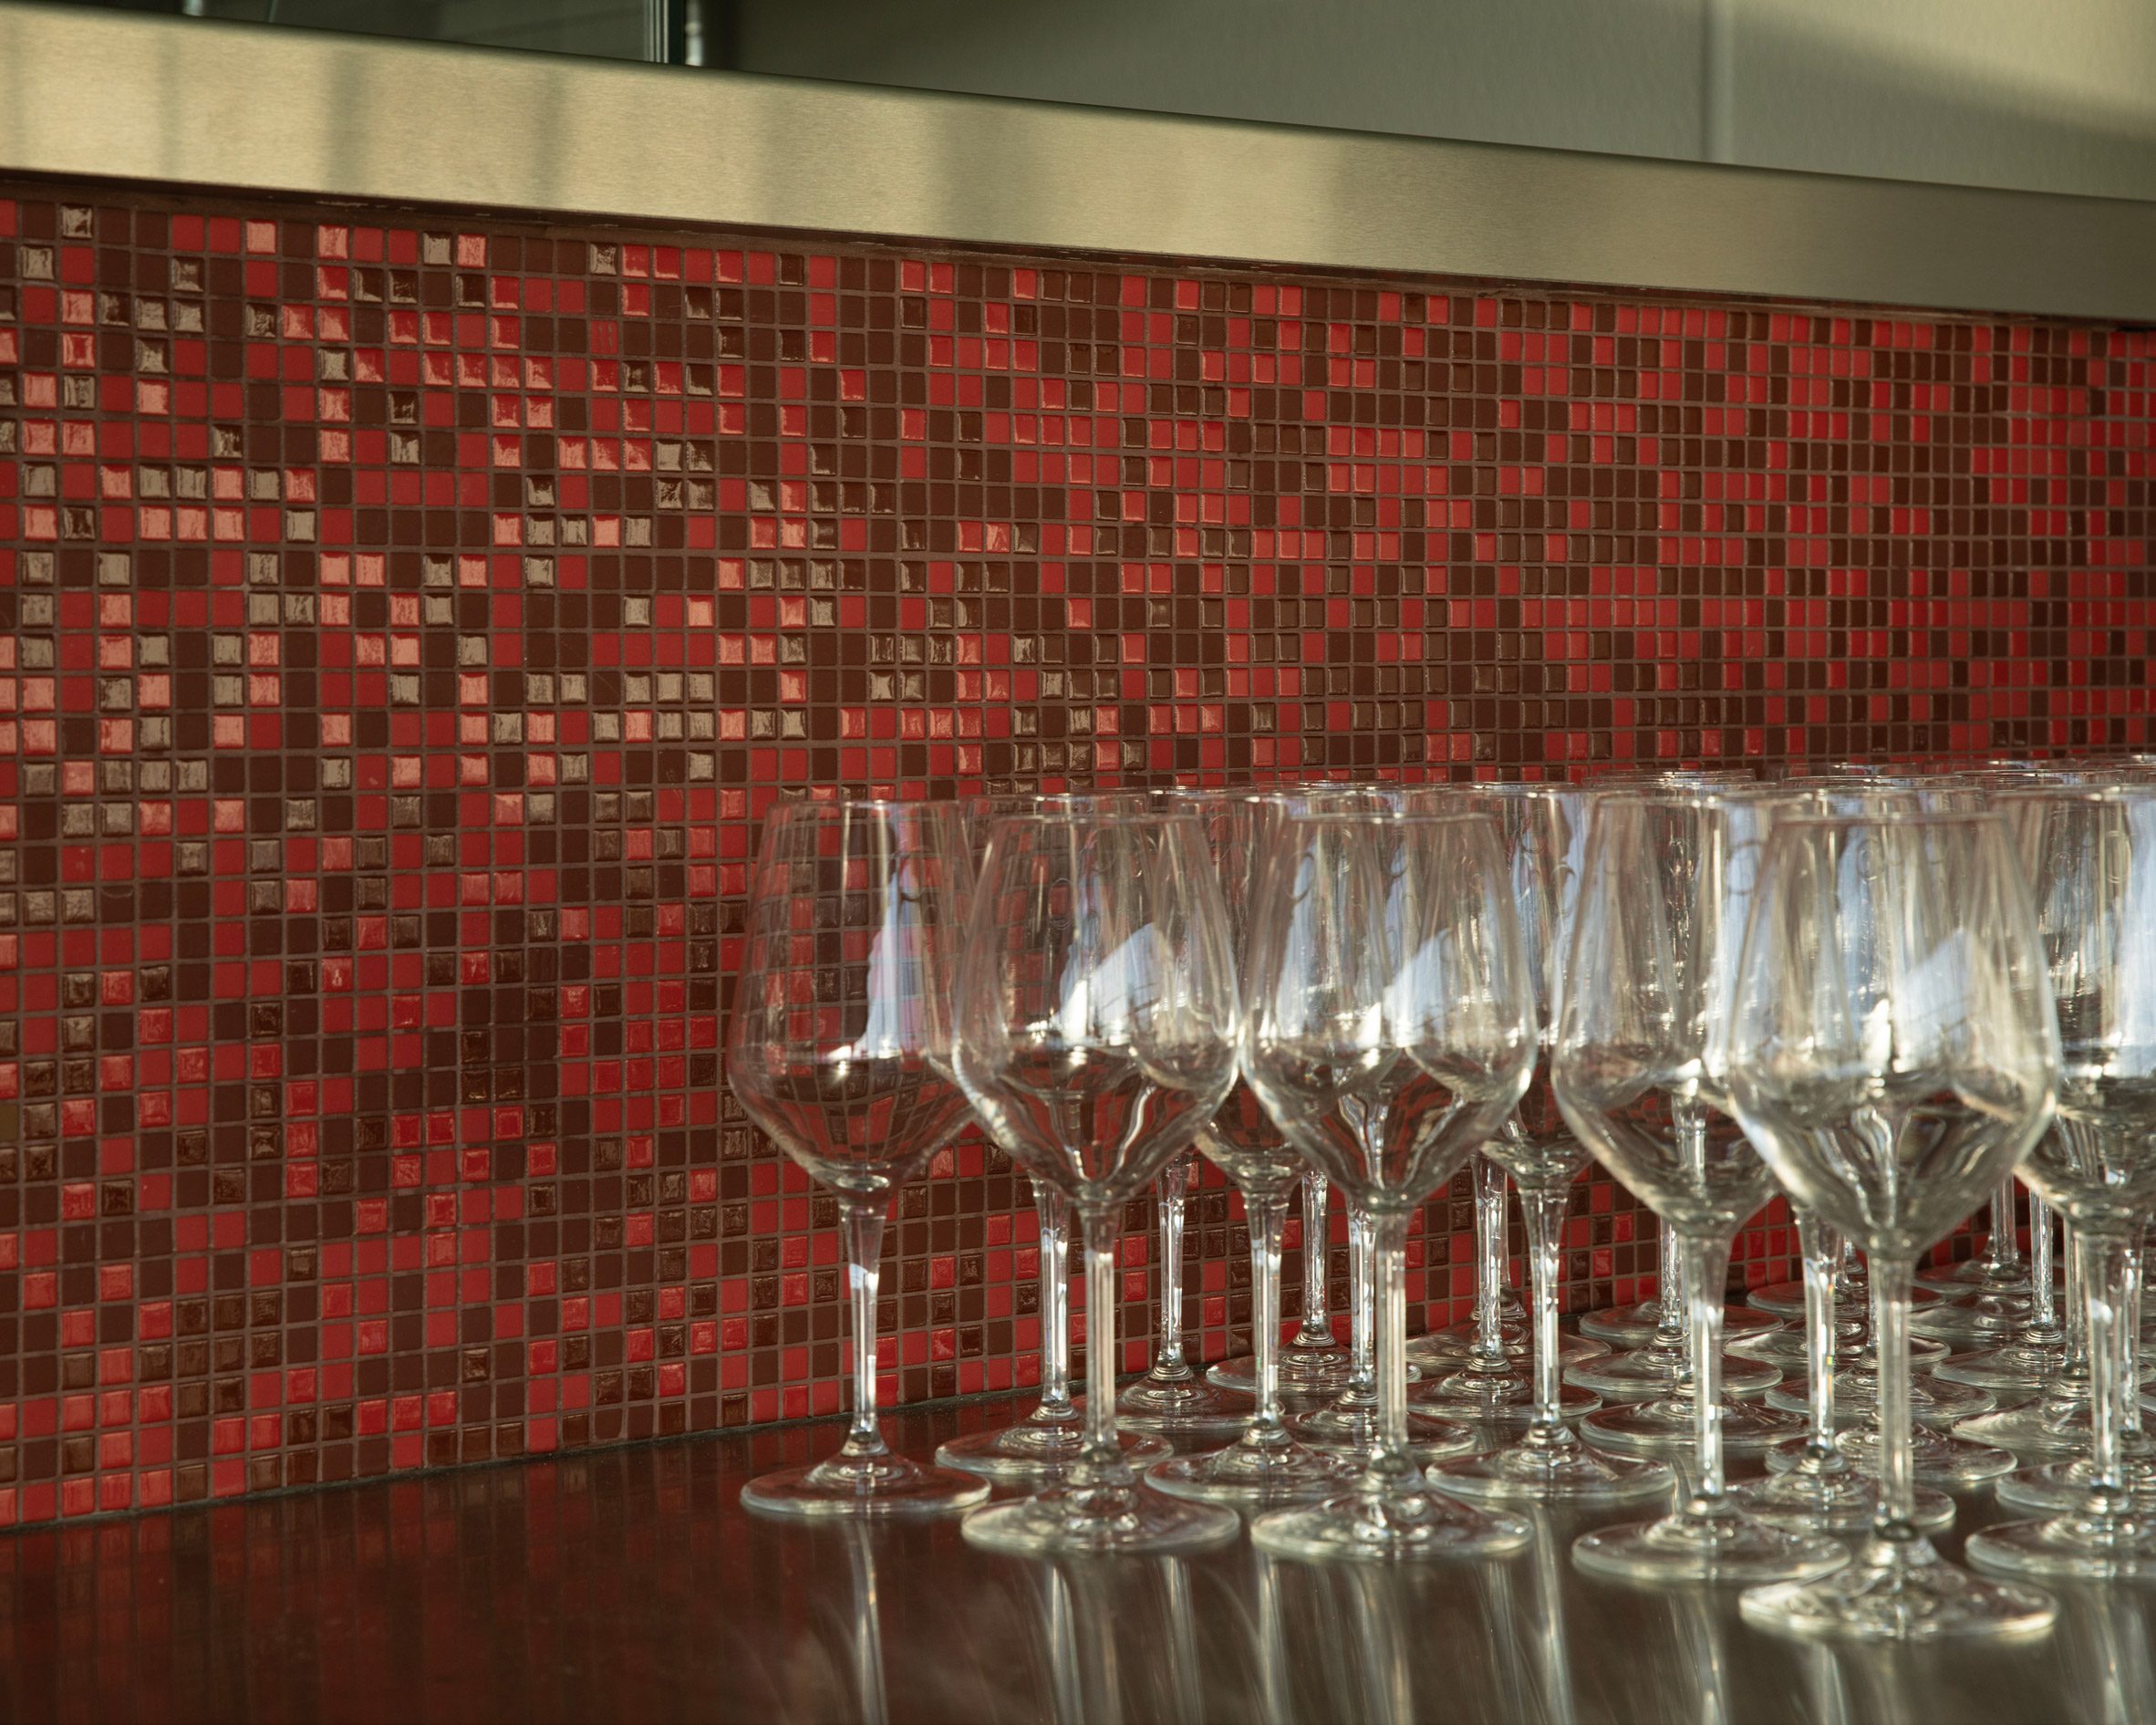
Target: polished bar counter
pixel 628 1583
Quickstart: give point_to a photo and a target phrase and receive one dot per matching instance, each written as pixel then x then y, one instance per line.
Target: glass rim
pixel 1898 821
pixel 2076 792
pixel 1387 817
pixel 1504 787
pixel 799 805
pixel 1104 818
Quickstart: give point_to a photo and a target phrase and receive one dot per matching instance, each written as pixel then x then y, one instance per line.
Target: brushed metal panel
pixel 93 93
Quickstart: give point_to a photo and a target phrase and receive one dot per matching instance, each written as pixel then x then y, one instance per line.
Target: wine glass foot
pixel 2018 1369
pixel 2083 1544
pixel 1355 1431
pixel 1531 1472
pixel 2044 1427
pixel 1495 1399
pixel 1699 1545
pixel 1975 1320
pixel 1453 1347
pixel 2056 1487
pixel 1907 1595
pixel 1633 1326
pixel 1122 1520
pixel 1856 1396
pixel 1647 1372
pixel 1977 1276
pixel 1950 1464
pixel 1304 1353
pixel 876 1486
pixel 1665 1427
pixel 1254 1475
pixel 1403 1525
pixel 1843 1501
pixel 1317 1374
pixel 1183 1406
pixel 1785 1347
pixel 1037 1454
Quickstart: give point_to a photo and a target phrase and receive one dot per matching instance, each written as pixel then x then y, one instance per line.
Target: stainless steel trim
pixel 85 93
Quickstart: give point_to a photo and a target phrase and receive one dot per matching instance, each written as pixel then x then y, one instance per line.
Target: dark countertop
pixel 627 1584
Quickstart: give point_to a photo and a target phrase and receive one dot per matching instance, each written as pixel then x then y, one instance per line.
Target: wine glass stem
pixel 863 1221
pixel 2077 1299
pixel 1670 1327
pixel 2103 1267
pixel 2043 1300
pixel 1103 1455
pixel 1821 1246
pixel 1387 1252
pixel 1545 1210
pixel 2003 1251
pixel 1489 1260
pixel 1895 1517
pixel 1173 1185
pixel 1707 1274
pixel 1054 1213
pixel 2129 1350
pixel 1268 1215
pixel 1360 1291
pixel 1317 1252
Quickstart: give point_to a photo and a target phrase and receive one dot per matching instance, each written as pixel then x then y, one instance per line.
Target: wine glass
pixel 1389 1027
pixel 1657 1328
pixel 1662 1319
pixel 839 1047
pixel 1037 1449
pixel 1654 1390
pixel 1822 1487
pixel 2090 859
pixel 1312 1361
pixel 1172 1397
pixel 1497 1331
pixel 2033 1356
pixel 1665 885
pixel 1350 1422
pixel 1096 1037
pixel 1266 1463
pixel 1543 829
pixel 1998 1268
pixel 1891 1050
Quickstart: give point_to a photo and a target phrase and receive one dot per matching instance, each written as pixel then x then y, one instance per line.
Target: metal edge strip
pixel 95 94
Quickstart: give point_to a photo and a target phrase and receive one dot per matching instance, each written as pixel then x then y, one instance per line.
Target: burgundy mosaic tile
pixel 404 618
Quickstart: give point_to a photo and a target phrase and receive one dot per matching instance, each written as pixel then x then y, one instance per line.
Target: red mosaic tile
pixel 404 619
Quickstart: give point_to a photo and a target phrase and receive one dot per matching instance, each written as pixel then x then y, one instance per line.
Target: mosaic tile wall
pixel 404 618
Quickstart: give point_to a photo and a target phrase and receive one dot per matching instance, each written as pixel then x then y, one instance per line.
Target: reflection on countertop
pixel 627 1584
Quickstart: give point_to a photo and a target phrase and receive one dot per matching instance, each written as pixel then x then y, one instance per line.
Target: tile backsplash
pixel 405 617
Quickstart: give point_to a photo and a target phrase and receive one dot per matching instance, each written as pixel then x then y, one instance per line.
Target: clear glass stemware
pixel 1891 1050
pixel 1265 1464
pixel 1388 1029
pixel 1036 1449
pixel 1543 829
pixel 2090 856
pixel 1095 1037
pixel 839 1047
pixel 1667 880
